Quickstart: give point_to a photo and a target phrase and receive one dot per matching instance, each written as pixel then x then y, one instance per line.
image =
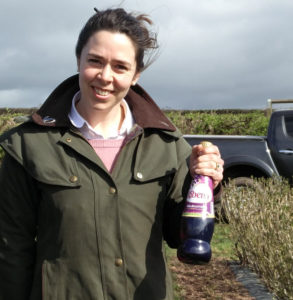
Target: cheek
pixel 88 74
pixel 123 83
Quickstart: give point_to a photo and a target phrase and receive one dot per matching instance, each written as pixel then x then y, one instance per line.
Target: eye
pixel 121 67
pixel 95 61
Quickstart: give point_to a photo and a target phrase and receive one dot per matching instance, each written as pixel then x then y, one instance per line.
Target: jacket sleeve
pixel 17 230
pixel 175 201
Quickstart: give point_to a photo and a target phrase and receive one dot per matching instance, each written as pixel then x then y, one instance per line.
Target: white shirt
pixel 90 133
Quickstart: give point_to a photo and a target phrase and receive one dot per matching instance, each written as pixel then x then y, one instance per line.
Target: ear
pixel 78 64
pixel 135 78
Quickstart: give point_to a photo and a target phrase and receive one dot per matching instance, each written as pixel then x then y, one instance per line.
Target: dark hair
pixel 118 20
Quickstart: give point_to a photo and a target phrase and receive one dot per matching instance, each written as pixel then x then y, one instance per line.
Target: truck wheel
pixel 245 182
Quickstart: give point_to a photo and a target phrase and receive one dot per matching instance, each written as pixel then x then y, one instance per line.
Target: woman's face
pixel 107 69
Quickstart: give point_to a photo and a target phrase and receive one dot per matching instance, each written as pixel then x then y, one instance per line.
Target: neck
pixel 104 121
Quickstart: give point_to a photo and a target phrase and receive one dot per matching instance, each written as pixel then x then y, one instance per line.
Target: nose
pixel 106 73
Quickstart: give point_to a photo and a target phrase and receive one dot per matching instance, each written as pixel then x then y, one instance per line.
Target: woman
pixel 95 181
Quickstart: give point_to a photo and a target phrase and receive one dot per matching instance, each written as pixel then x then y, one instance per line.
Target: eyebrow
pixel 124 62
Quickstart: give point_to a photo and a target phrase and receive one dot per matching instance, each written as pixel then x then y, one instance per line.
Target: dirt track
pixel 214 281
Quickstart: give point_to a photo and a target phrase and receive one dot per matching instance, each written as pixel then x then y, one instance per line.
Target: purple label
pixel 200 200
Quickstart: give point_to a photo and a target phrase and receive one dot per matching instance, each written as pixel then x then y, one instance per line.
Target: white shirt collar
pixel 90 133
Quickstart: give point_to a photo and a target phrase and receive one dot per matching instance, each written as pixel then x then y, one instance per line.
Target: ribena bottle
pixel 197 221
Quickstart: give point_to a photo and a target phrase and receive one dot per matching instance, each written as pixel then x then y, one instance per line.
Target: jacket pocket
pixel 155 158
pixel 57 172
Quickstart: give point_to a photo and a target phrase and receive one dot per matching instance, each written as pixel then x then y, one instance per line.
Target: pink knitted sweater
pixel 108 150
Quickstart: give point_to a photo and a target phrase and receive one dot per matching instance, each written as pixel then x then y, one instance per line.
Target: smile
pixel 102 92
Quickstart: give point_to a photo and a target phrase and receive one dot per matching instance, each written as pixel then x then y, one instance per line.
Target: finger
pixel 214 173
pixel 215 184
pixel 196 150
pixel 207 164
pixel 208 157
pixel 205 153
pixel 206 150
pixel 212 169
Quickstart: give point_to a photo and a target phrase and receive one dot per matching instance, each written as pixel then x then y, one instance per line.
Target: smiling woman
pixel 107 69
pixel 96 179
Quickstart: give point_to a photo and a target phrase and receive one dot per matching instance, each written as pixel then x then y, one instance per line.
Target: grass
pixel 222 243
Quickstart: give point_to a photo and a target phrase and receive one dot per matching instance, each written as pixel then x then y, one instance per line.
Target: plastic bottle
pixel 197 221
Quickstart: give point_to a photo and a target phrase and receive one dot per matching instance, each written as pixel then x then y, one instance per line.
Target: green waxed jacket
pixel 69 230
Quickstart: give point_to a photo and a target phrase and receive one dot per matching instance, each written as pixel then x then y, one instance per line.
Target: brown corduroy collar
pixel 54 111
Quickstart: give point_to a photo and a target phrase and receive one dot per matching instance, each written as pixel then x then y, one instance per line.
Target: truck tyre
pixel 245 182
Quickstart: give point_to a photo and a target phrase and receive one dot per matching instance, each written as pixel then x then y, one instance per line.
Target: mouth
pixel 102 92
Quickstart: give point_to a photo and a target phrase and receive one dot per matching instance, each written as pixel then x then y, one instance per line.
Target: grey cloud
pixel 214 54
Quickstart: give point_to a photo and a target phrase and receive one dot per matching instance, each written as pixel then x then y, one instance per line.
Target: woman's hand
pixel 207 161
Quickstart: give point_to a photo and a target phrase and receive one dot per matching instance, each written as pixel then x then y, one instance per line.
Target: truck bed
pixel 247 155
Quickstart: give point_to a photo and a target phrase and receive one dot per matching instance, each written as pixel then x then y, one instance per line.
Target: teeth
pixel 101 92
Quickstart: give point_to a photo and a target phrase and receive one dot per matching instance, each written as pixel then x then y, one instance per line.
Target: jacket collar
pixel 54 111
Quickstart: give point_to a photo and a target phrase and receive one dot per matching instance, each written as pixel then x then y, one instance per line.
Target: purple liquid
pixel 196 235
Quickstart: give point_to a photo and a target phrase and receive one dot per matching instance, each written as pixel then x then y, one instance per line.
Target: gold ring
pixel 217 166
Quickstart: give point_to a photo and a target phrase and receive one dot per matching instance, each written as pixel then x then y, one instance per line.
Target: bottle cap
pixel 206 144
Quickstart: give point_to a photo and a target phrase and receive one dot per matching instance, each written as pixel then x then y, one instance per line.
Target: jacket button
pixel 139 175
pixel 68 140
pixel 118 262
pixel 112 190
pixel 73 178
pixel 48 120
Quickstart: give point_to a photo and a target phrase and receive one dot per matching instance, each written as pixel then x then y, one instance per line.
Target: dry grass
pixel 214 281
pixel 6 122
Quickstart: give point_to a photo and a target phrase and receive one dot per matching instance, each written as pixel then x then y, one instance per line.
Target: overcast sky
pixel 214 54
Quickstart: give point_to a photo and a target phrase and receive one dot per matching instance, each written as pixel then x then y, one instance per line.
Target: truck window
pixel 289 125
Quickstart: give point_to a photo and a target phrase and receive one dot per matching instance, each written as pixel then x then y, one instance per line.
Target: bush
pixel 262 222
pixel 189 122
pixel 213 122
pixel 7 122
